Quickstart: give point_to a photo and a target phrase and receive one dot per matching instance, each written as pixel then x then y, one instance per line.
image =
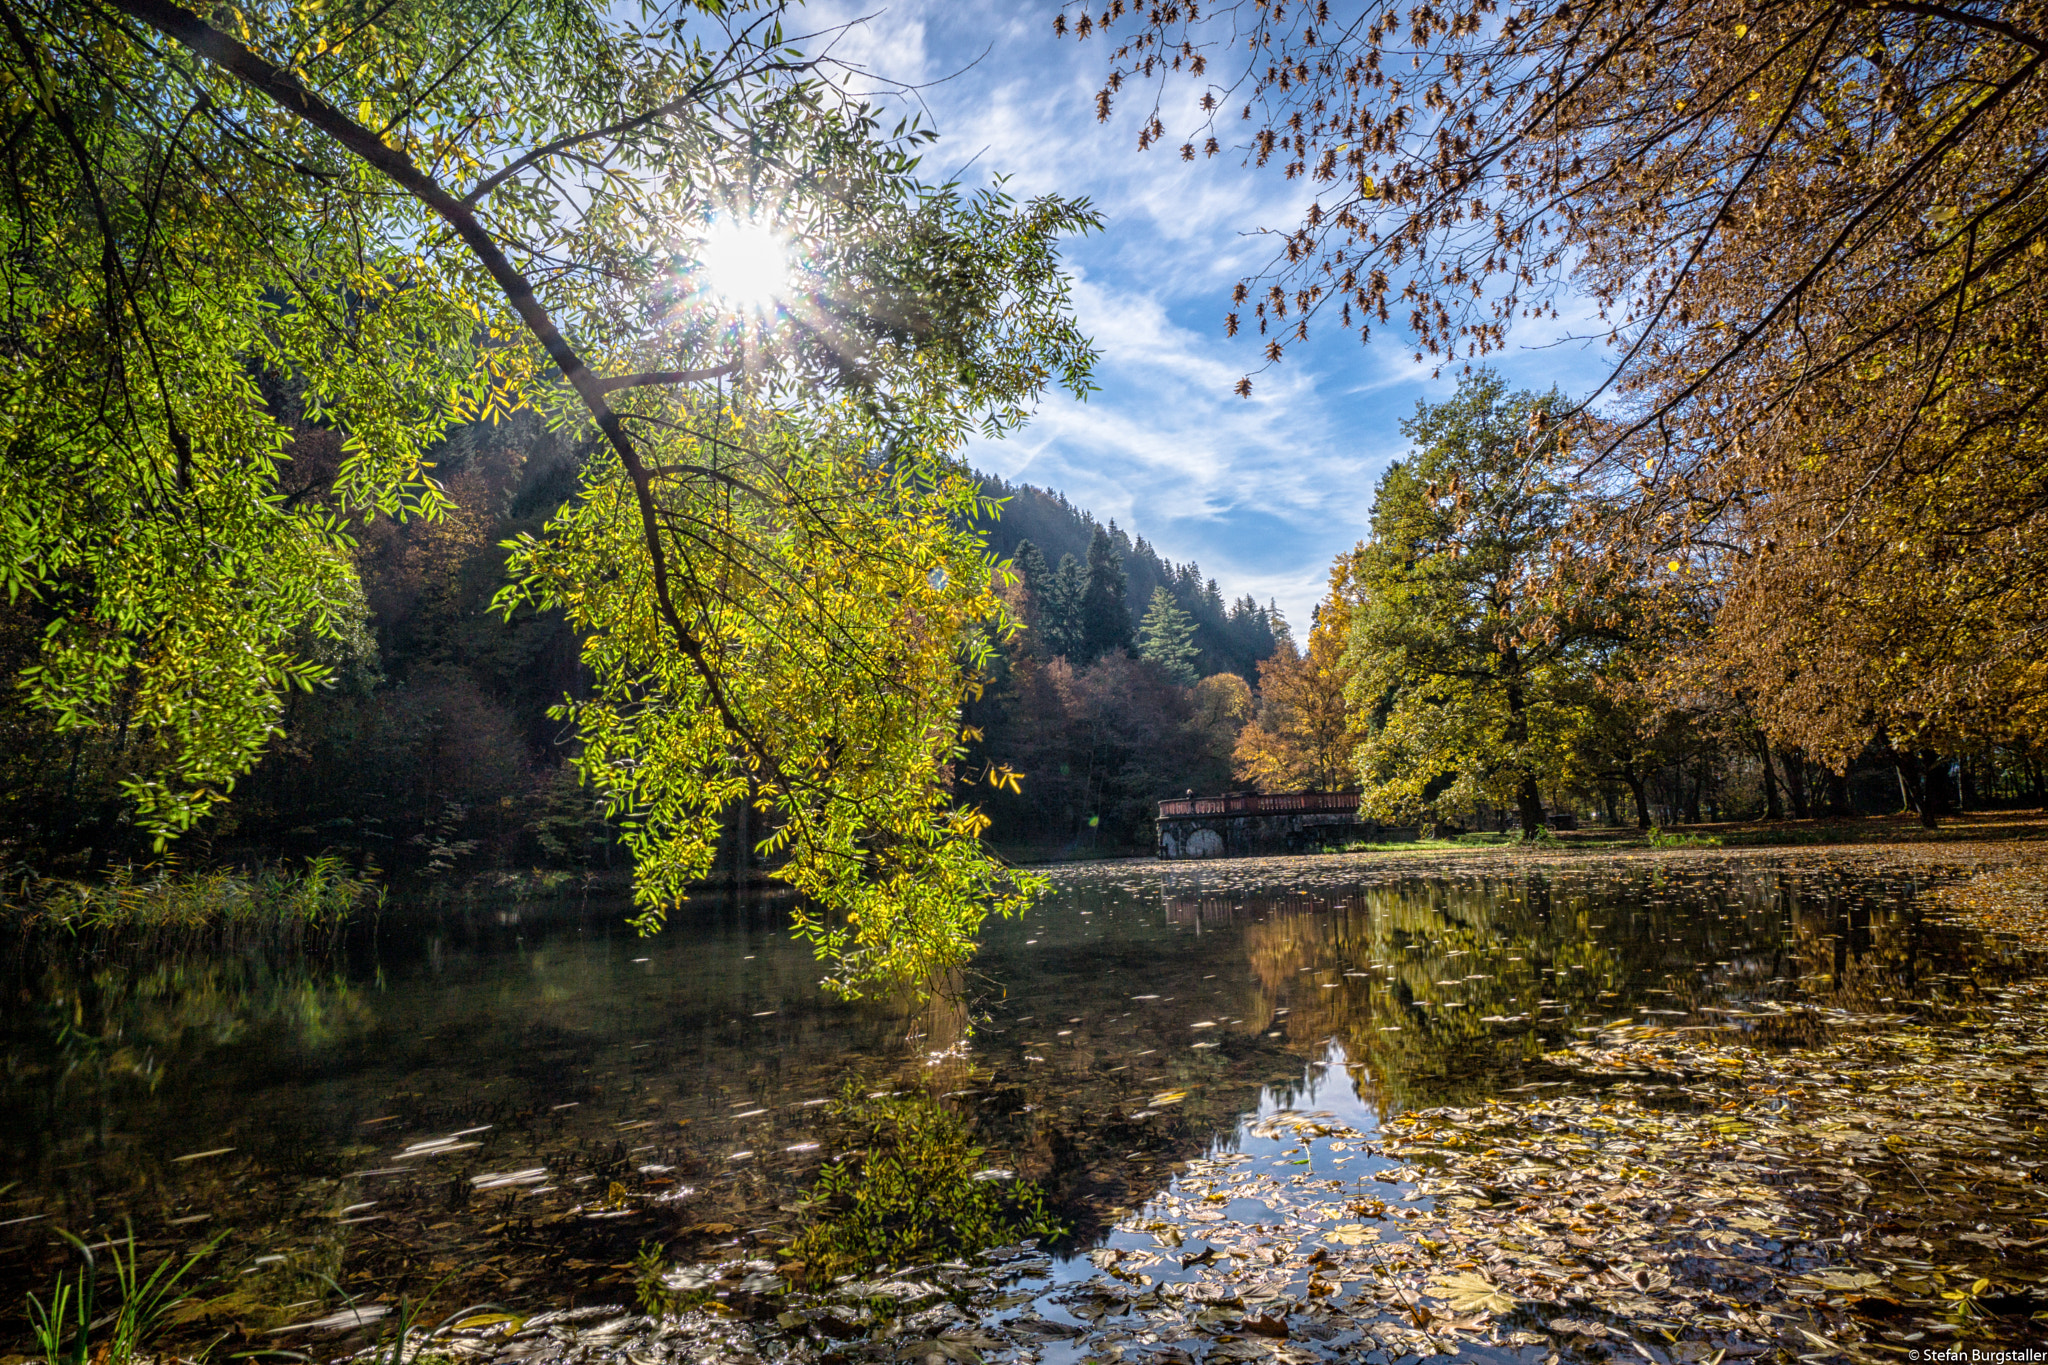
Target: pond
pixel 507 1101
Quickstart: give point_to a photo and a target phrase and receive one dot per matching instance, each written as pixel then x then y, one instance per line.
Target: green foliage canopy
pixel 228 231
pixel 1464 665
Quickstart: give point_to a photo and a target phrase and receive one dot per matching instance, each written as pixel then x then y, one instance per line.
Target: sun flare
pixel 744 264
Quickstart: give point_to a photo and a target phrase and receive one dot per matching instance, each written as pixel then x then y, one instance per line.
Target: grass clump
pixel 162 905
pixel 64 1326
pixel 915 1191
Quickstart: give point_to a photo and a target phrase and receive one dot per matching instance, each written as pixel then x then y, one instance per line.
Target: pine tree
pixel 1059 608
pixel 1105 617
pixel 1167 638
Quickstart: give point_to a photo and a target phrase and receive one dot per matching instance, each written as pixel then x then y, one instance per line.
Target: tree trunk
pixel 1692 797
pixel 1795 783
pixel 1838 796
pixel 1635 789
pixel 1774 807
pixel 1937 794
pixel 1528 801
pixel 1911 792
pixel 1529 804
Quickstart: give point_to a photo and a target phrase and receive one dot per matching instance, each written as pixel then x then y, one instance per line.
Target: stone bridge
pixel 1241 825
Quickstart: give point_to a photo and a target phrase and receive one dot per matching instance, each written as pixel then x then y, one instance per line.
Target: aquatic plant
pixel 63 1327
pixel 915 1191
pixel 163 904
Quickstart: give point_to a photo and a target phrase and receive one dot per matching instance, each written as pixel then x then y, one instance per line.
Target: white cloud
pixel 1264 492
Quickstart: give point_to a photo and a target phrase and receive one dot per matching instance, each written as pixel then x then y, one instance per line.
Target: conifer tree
pixel 1105 617
pixel 1167 638
pixel 1031 566
pixel 1059 608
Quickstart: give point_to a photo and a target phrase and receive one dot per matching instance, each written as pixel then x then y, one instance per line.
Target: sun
pixel 745 264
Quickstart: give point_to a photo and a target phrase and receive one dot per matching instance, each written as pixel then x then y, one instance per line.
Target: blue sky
pixel 1262 492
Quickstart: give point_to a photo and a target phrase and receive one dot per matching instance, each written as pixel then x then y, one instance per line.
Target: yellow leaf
pixel 1472 1293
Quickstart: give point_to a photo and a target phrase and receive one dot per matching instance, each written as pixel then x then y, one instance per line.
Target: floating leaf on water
pixel 512 1322
pixel 1353 1234
pixel 1844 1279
pixel 361 1315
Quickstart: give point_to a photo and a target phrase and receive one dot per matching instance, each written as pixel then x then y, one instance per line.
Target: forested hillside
pixel 433 751
pixel 1229 637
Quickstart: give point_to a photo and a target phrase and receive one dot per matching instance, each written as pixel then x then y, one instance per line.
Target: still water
pixel 508 1099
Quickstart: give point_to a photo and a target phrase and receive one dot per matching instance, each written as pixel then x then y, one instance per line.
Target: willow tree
pixel 1812 232
pixel 229 229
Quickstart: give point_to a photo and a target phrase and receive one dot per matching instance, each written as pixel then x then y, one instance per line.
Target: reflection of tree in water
pixel 87 1026
pixel 1408 976
pixel 1445 992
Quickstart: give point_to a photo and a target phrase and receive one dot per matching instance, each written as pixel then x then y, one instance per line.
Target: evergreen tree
pixel 1167 638
pixel 1059 608
pixel 1031 567
pixel 1105 617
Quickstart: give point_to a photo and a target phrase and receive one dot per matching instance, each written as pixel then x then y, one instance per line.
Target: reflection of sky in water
pixel 1263 1143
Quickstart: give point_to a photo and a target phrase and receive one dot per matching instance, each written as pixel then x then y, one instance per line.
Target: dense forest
pixel 432 748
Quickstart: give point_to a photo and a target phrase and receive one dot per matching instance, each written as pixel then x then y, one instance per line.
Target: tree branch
pixel 1964 19
pixel 282 88
pixel 655 377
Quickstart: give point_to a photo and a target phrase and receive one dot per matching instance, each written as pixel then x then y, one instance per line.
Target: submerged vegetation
pixel 913 1190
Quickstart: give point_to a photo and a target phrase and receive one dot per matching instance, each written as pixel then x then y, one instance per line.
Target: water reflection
pixel 520 1097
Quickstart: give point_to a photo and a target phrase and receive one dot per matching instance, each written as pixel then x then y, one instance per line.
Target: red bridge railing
pixel 1243 803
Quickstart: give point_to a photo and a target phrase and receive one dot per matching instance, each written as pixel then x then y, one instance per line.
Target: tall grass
pixel 164 906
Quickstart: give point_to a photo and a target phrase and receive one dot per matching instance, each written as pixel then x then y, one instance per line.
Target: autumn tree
pixel 1300 736
pixel 1223 707
pixel 230 231
pixel 1812 232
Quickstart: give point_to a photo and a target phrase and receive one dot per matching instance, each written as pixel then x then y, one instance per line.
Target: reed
pixel 163 905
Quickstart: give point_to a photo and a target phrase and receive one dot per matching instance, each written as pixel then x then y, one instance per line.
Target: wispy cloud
pixel 1262 492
